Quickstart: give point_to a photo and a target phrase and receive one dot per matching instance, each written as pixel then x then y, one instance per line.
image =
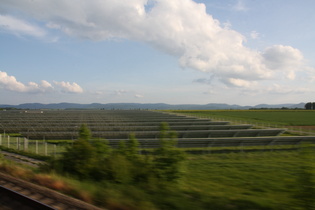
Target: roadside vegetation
pixel 267 180
pixel 169 179
pixel 95 160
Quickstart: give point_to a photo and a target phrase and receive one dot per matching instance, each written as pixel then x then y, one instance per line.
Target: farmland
pixel 266 179
pixel 279 117
pixel 46 132
pixel 118 124
pixel 61 126
pixel 296 120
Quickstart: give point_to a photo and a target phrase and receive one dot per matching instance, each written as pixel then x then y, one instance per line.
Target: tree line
pixel 310 105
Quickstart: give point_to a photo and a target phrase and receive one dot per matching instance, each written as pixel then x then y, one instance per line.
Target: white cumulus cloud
pixel 10 83
pixel 238 82
pixel 282 57
pixel 181 28
pixel 68 87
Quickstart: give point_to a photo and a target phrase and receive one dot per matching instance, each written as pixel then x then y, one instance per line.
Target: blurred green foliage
pixel 84 132
pixel 95 160
pixel 122 178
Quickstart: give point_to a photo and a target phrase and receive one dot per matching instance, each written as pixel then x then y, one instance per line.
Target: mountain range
pixel 152 106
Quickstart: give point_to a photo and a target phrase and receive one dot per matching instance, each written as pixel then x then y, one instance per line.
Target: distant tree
pixel 132 150
pixel 167 160
pixel 84 132
pixel 308 105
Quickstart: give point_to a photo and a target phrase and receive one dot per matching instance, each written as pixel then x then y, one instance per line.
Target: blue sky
pixel 242 52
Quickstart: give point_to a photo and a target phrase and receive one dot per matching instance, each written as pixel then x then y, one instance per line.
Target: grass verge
pixel 261 180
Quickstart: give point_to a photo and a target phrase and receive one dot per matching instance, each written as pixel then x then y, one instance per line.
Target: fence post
pixel 0 139
pixel 36 146
pixel 17 143
pixel 8 141
pixel 25 144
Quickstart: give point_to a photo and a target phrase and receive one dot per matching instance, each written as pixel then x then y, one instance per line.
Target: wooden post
pixel 8 142
pixel 17 143
pixel 45 148
pixel 36 146
pixel 25 144
pixel 0 139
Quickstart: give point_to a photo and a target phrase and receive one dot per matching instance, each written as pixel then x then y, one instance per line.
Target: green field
pixel 254 180
pixel 280 117
pixel 239 181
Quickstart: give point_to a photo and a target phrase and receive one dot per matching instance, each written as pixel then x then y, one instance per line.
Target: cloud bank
pixel 10 83
pixel 179 27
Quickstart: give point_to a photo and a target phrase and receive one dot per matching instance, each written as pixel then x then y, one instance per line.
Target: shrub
pixel 84 132
pixel 95 160
pixel 167 160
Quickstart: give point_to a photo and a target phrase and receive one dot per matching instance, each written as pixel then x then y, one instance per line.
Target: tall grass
pixel 261 180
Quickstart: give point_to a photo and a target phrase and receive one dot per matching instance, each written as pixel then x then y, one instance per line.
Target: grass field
pixel 281 117
pixel 302 121
pixel 268 180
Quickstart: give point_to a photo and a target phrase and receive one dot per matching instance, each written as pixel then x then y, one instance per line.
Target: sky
pixel 244 52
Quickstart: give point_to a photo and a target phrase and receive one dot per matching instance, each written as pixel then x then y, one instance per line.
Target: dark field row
pixel 155 134
pixel 119 124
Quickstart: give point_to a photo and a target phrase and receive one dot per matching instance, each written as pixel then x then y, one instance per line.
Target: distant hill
pixel 157 106
pixel 279 106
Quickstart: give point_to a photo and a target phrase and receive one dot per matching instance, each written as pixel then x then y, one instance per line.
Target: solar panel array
pixel 117 125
